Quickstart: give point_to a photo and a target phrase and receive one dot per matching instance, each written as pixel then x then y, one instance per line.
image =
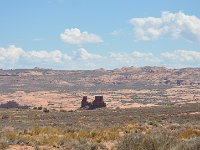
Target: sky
pixel 92 34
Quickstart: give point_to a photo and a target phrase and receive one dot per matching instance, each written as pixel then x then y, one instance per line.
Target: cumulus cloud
pixel 11 56
pixel 14 57
pixel 134 58
pixel 173 25
pixel 85 55
pixel 144 56
pixel 55 56
pixel 75 36
pixel 182 56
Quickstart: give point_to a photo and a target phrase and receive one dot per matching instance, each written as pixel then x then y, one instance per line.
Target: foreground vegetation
pixel 156 128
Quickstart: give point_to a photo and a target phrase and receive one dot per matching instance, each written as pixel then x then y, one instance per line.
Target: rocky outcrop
pixel 97 103
pixel 12 104
pixel 85 103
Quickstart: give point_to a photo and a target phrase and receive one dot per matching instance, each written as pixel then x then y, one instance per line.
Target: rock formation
pixel 12 104
pixel 97 103
pixel 85 103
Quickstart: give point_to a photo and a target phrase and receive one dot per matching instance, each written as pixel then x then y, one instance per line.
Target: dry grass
pixel 156 142
pixel 3 144
pixel 189 133
pixel 158 128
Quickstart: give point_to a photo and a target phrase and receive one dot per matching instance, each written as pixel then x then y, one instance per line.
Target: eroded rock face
pixel 12 104
pixel 85 103
pixel 97 103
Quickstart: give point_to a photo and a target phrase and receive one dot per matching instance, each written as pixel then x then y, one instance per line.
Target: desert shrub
pixel 193 144
pixel 3 144
pixel 36 147
pixel 62 110
pixel 145 142
pixel 173 127
pixel 46 130
pixel 39 108
pixel 4 117
pixel 189 133
pixel 153 123
pixel 85 145
pixel 10 135
pixel 102 135
pixel 45 110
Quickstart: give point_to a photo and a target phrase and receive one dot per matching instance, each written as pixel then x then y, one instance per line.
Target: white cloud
pixel 182 56
pixel 85 55
pixel 15 57
pixel 134 58
pixel 140 55
pixel 173 25
pixel 11 52
pixel 55 56
pixel 75 36
pixel 120 57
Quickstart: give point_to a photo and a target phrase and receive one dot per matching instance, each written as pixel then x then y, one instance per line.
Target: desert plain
pixel 147 108
pixel 123 88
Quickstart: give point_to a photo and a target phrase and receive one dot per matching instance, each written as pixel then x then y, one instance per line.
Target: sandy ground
pixel 18 147
pixel 114 99
pixel 24 147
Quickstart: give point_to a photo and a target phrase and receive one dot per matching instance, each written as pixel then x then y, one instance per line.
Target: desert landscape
pixel 99 75
pixel 41 109
pixel 124 88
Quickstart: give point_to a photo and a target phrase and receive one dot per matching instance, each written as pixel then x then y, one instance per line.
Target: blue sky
pixel 88 34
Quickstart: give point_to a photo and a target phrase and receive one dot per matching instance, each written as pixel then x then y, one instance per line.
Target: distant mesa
pixel 12 104
pixel 97 103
